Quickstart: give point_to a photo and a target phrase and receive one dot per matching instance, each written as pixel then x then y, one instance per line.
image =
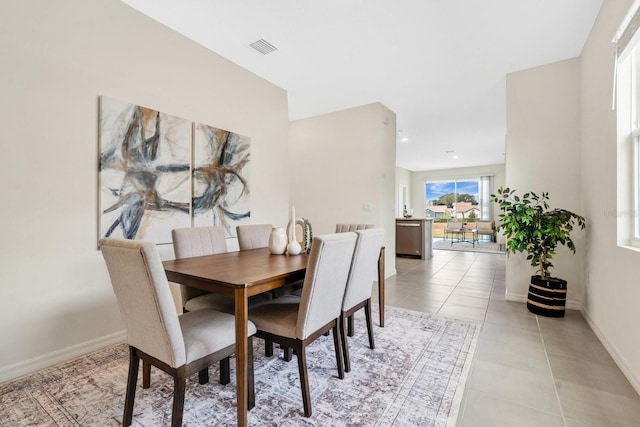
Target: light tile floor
pixel 527 370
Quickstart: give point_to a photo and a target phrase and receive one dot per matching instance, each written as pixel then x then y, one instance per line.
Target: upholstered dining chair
pixel 359 285
pixel 178 345
pixel 253 236
pixel 198 241
pixel 343 228
pixel 296 322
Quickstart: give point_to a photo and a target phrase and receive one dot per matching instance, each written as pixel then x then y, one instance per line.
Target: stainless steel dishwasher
pixel 413 237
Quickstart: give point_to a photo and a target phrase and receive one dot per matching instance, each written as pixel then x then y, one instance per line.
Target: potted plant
pixel 530 226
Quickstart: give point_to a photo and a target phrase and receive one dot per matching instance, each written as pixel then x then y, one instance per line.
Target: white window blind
pixel 626 35
pixel 485 196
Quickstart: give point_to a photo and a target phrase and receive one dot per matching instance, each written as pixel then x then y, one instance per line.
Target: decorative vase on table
pixel 293 248
pixel 277 241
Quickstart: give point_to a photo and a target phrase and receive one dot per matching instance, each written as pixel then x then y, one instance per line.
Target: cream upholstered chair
pixel 486 228
pixel 178 345
pixel 342 228
pixel 451 227
pixel 253 236
pixel 358 291
pixel 296 322
pixel 200 241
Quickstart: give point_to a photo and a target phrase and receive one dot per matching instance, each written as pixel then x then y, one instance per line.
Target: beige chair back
pixel 363 267
pixel 454 225
pixel 253 236
pixel 197 241
pixel 343 228
pixel 144 298
pixel 485 225
pixel 324 282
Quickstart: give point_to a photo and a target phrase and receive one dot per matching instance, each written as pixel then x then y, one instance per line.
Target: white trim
pixel 29 366
pixel 613 352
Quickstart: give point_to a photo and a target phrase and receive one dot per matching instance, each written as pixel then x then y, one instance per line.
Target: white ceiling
pixel 440 65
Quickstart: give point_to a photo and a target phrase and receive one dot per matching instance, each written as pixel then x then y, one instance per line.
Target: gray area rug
pixel 414 377
pixel 482 246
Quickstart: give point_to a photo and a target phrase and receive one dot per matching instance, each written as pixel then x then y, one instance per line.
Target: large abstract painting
pixel 158 172
pixel 220 178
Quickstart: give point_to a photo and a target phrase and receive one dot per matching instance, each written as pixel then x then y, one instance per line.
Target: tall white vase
pixel 277 241
pixel 293 248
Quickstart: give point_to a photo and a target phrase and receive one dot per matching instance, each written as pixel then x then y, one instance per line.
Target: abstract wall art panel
pixel 144 172
pixel 221 177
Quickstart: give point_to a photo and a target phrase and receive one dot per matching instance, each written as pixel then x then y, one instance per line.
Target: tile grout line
pixel 553 380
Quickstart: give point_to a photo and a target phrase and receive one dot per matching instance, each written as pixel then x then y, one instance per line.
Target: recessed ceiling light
pixel 405 139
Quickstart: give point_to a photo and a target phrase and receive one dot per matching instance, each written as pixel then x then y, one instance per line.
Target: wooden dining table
pixel 240 275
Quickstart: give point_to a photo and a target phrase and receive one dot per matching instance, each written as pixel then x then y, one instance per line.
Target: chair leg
pixel 268 348
pixel 367 314
pixel 251 393
pixel 337 343
pixel 304 379
pixel 146 374
pixel 225 371
pixel 350 326
pixel 345 342
pixel 288 354
pixel 203 375
pixel 134 363
pixel 179 388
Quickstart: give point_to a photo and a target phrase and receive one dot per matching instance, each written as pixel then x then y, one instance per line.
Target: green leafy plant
pixel 530 226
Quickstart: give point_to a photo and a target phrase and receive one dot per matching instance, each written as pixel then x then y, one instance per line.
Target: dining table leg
pixel 242 316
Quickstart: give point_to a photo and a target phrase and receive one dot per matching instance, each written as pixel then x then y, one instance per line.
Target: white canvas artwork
pixel 144 172
pixel 221 176
pixel 158 172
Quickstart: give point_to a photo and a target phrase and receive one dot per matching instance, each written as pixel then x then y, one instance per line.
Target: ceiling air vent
pixel 263 46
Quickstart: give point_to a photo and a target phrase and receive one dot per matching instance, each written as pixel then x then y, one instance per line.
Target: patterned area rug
pixel 414 377
pixel 482 246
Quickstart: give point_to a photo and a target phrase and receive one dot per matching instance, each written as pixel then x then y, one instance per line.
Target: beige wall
pixel 542 155
pixel 343 167
pixel 57 58
pixel 561 113
pixel 612 288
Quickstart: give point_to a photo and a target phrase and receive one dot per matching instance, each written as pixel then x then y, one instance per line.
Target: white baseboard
pixel 29 366
pixel 613 352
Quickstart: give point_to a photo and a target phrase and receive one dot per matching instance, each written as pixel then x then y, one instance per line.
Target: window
pixel 635 135
pixel 458 198
pixel 628 112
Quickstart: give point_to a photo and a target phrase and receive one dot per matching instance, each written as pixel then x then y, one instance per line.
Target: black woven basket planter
pixel 547 297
